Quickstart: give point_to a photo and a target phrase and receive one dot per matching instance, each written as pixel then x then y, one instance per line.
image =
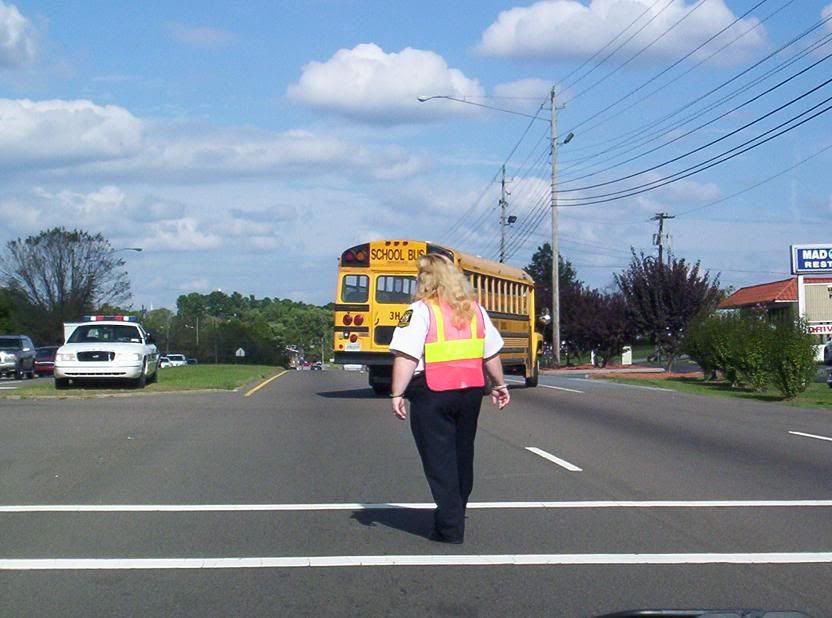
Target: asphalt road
pixel 307 497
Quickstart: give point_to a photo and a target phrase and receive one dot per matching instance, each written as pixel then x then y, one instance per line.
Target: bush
pixel 708 342
pixel 750 345
pixel 791 358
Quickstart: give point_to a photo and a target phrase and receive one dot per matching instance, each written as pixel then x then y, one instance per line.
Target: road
pixel 307 497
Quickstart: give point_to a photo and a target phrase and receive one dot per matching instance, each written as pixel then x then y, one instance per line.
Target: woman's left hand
pixel 399 408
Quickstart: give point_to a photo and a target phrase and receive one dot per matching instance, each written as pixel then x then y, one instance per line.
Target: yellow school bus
pixel 376 283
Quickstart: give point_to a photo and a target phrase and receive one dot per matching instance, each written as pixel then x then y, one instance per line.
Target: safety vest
pixel 454 356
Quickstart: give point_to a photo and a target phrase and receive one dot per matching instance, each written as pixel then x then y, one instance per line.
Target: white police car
pixel 107 347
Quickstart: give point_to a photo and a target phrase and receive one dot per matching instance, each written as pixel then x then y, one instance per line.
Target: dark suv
pixel 17 356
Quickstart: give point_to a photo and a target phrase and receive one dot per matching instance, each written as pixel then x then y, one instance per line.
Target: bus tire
pixel 532 380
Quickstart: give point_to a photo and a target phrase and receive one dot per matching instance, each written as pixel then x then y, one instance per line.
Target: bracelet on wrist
pixel 499 386
pixel 395 396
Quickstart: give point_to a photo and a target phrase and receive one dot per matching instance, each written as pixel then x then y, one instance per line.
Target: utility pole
pixel 503 206
pixel 660 238
pixel 554 204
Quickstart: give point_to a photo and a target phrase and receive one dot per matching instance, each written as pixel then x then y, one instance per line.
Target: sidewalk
pixel 589 370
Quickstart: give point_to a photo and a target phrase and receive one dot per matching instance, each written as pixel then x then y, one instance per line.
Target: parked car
pixel 827 352
pixel 107 347
pixel 193 361
pixel 164 362
pixel 177 360
pixel 17 356
pixel 45 360
pixel 317 366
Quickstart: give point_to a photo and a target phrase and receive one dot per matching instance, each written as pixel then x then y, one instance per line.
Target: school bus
pixel 376 283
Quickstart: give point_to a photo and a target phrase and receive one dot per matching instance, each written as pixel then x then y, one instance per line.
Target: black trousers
pixel 444 425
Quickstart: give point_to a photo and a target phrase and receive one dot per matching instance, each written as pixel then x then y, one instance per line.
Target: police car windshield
pixel 10 343
pixel 105 333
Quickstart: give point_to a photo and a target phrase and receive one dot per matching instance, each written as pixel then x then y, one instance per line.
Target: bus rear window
pixel 355 289
pixel 395 290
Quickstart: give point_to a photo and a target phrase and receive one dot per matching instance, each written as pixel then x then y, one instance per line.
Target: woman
pixel 443 346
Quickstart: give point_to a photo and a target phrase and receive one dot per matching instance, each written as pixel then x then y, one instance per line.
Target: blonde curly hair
pixel 440 280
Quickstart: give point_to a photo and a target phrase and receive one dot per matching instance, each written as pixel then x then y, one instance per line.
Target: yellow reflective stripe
pixel 440 325
pixel 456 349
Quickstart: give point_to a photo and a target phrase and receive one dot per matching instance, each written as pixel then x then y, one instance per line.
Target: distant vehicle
pixel 316 366
pixel 17 356
pixel 827 352
pixel 107 347
pixel 177 360
pixel 193 361
pixel 164 362
pixel 45 360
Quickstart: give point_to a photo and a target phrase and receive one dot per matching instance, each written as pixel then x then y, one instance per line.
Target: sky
pixel 244 145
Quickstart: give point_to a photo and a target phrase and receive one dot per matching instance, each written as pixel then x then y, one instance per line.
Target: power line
pixel 623 138
pixel 610 42
pixel 641 51
pixel 672 65
pixel 720 139
pixel 702 112
pixel 687 172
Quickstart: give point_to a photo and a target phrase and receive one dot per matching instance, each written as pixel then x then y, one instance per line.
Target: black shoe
pixel 437 536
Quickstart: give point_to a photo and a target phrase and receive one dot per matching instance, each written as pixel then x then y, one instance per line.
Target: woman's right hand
pixel 500 396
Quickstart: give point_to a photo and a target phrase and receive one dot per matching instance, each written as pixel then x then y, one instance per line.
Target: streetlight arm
pixel 423 99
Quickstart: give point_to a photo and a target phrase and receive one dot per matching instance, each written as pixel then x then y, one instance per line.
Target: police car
pixel 107 347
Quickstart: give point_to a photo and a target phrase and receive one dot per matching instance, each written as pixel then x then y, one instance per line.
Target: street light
pixel 483 105
pixel 553 136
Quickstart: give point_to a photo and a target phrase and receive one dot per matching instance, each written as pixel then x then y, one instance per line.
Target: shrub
pixel 708 342
pixel 750 349
pixel 791 358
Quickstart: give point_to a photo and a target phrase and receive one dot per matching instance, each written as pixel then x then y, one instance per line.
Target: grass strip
pixel 171 379
pixel 817 395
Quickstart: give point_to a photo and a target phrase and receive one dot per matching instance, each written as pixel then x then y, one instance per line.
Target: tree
pixel 62 275
pixel 540 269
pixel 663 299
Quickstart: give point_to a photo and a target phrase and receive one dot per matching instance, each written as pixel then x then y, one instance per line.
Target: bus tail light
pixel 353 338
pixel 359 320
pixel 347 320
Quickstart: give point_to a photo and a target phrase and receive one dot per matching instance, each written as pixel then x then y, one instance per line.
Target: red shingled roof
pixel 784 291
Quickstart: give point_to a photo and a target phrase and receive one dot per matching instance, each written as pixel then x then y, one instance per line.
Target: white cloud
pixel 369 85
pixel 180 235
pixel 80 138
pixel 825 13
pixel 17 43
pixel 553 30
pixel 56 133
pixel 201 37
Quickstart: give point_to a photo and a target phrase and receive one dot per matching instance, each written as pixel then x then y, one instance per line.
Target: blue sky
pixel 243 146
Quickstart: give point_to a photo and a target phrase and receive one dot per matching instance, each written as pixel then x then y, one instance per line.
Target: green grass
pixel 172 379
pixel 816 396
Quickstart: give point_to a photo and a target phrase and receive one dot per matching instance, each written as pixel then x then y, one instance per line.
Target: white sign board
pixel 240 353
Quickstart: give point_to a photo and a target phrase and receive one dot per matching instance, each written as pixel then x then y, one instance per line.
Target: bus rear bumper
pixel 364 358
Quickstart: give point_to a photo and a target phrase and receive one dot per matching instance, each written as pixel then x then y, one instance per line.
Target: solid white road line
pixel 604 382
pixel 411 560
pixel 810 435
pixel 369 506
pixel 557 460
pixel 555 388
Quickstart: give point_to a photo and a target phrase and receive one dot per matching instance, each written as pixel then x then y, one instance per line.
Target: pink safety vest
pixel 454 356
